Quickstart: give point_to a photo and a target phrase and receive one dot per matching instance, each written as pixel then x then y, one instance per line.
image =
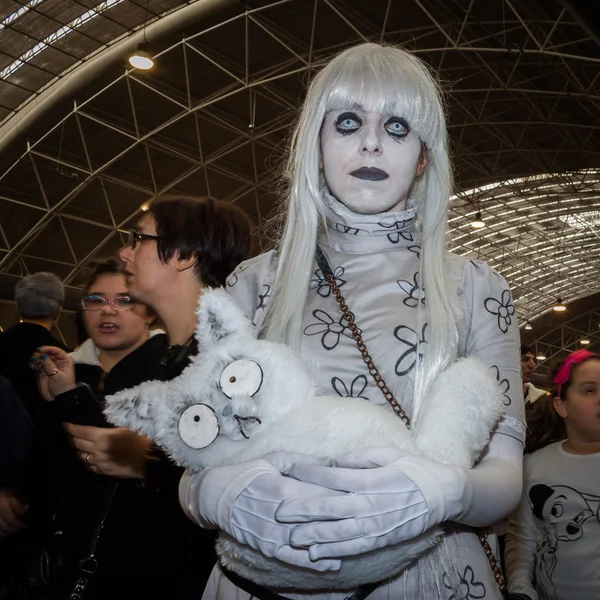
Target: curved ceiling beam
pixel 65 87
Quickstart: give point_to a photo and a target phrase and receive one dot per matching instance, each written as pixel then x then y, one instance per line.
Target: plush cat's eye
pixel 241 378
pixel 198 426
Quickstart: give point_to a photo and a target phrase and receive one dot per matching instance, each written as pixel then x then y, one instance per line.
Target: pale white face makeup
pixel 370 160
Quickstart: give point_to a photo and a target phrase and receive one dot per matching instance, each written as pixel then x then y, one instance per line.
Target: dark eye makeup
pixel 397 127
pixel 348 122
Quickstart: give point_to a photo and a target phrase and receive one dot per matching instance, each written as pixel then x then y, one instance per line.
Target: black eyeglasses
pixel 133 237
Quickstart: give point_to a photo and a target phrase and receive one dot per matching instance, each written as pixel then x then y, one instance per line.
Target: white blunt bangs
pixel 385 81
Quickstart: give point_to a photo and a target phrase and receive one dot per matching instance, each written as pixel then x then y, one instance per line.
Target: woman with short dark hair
pixel 178 247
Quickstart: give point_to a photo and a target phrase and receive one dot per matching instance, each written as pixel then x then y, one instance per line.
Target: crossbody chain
pixel 389 396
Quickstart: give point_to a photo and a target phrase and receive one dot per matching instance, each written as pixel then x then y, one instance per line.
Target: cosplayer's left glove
pixel 384 505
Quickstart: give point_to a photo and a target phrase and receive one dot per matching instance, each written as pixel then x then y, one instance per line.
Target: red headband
pixel 564 372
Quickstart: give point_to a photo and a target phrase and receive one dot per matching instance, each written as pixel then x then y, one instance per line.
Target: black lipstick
pixel 370 174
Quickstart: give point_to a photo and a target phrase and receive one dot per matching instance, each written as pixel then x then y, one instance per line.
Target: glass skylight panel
pixel 53 37
pixel 19 13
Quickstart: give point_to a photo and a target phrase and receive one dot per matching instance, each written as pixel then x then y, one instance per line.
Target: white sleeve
pixel 251 284
pixel 496 483
pixel 492 336
pixel 520 547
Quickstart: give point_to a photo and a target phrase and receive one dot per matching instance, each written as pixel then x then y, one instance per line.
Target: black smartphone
pixel 81 407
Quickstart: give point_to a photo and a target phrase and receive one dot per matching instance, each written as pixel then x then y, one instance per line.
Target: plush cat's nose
pixel 226 412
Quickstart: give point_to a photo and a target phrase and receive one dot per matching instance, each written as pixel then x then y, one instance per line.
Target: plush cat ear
pixel 143 408
pixel 219 317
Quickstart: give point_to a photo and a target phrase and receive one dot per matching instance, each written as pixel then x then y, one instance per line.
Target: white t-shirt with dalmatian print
pixel 553 542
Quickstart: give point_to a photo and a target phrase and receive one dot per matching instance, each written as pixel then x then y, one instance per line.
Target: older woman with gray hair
pixel 39 299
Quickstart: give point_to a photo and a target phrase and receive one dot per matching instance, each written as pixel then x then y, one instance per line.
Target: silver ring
pixel 87 458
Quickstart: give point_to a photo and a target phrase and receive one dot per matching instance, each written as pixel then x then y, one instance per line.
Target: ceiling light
pixel 528 326
pixel 141 58
pixel 584 342
pixel 145 206
pixel 540 357
pixel 559 306
pixel 477 222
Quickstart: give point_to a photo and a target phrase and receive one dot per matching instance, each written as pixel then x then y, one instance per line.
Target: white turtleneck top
pixel 376 263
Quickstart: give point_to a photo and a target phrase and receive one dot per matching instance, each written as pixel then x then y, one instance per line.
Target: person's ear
pixel 559 407
pixel 184 264
pixel 423 158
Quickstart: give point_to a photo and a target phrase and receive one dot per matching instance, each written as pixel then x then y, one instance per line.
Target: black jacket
pixel 48 446
pixel 148 548
pixel 15 434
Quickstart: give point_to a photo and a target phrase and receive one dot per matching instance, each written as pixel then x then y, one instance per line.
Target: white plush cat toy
pixel 242 398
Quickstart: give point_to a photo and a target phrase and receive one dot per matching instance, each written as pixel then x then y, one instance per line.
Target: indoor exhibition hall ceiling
pixel 85 141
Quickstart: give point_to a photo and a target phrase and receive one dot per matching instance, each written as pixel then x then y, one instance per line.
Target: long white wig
pixel 386 80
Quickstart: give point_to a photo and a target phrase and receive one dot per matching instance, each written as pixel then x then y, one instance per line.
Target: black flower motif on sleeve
pixel 396 234
pixel 233 278
pixel 415 250
pixel 504 385
pixel 357 387
pixel 329 329
pixel 411 289
pixel 319 282
pixel 410 340
pixel 467 588
pixel 263 297
pixel 503 308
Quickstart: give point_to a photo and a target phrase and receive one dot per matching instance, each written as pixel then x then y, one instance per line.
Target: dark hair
pixel 545 425
pixel 100 267
pixel 217 234
pixel 526 350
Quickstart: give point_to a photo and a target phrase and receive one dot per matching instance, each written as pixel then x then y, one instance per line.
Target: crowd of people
pixel 361 285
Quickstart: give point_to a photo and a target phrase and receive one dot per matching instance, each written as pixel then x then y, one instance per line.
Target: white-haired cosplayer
pixel 369 184
pixel 242 398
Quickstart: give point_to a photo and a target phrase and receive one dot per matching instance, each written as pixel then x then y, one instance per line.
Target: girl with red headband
pixel 553 543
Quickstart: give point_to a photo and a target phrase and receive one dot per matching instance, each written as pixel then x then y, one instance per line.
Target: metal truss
pixel 554 344
pixel 523 94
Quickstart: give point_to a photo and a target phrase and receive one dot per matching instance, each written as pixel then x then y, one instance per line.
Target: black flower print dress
pixel 376 260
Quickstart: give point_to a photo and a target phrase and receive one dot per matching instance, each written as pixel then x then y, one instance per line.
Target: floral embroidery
pixel 467 588
pixel 330 329
pixel 262 297
pixel 357 387
pixel 504 385
pixel 415 250
pixel 503 308
pixel 408 359
pixel 397 234
pixel 319 282
pixel 233 278
pixel 412 291
pixel 346 229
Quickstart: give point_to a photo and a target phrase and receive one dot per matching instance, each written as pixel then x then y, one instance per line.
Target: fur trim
pixel 87 353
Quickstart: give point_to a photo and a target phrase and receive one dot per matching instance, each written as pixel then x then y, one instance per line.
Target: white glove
pixel 382 506
pixel 242 499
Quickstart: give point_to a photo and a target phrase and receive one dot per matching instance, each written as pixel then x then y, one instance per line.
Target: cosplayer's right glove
pixel 242 499
pixel 381 506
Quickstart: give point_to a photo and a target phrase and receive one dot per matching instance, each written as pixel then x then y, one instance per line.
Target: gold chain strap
pixel 389 396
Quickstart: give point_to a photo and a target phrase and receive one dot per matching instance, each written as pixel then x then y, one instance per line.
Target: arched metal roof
pixel 85 142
